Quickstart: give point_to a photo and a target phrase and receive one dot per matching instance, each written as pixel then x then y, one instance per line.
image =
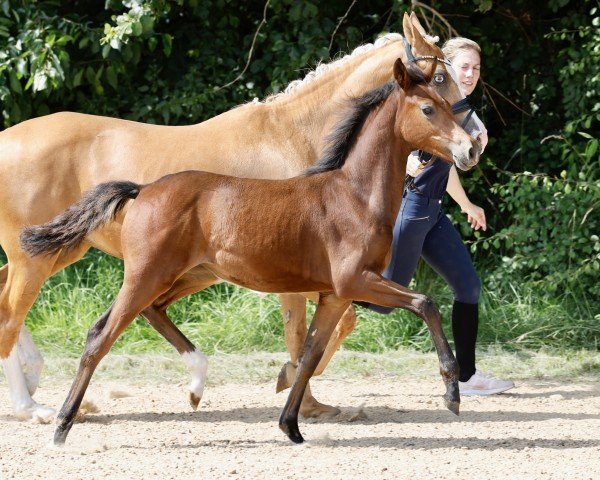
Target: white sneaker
pixel 484 384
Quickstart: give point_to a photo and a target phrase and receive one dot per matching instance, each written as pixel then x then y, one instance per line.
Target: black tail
pixel 67 230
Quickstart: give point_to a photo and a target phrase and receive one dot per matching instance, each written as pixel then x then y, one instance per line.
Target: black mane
pixel 342 136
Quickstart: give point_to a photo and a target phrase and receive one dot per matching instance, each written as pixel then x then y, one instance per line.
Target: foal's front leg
pixel 329 309
pixel 373 288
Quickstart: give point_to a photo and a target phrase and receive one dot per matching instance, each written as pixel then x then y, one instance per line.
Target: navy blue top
pixel 433 180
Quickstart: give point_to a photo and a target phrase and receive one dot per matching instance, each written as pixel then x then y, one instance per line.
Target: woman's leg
pixel 410 230
pixel 445 251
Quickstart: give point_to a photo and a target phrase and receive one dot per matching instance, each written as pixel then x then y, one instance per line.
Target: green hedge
pixel 170 62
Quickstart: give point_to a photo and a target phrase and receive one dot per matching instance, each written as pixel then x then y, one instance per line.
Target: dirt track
pixel 542 429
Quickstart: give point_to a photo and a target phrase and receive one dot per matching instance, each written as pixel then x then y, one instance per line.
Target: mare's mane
pixel 323 68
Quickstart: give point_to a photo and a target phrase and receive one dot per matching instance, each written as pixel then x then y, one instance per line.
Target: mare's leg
pixel 373 288
pixel 191 282
pixel 329 309
pixel 22 280
pixel 31 361
pixel 141 286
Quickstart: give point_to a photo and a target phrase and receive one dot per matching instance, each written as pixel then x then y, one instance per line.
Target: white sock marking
pixel 197 364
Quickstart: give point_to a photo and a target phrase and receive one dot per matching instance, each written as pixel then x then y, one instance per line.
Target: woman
pixel 423 230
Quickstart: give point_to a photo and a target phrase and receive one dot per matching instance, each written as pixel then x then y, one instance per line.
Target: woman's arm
pixel 475 214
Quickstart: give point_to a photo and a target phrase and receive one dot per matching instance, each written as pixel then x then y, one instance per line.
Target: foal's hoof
pixel 292 431
pixel 452 398
pixel 60 436
pixel 194 400
pixel 452 405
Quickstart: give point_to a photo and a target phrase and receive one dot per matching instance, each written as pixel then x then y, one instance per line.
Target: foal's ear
pixel 401 75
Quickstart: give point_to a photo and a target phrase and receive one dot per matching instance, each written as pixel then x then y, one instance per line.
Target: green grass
pixel 404 362
pixel 225 318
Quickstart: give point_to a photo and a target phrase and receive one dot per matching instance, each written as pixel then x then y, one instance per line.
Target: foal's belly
pixel 267 273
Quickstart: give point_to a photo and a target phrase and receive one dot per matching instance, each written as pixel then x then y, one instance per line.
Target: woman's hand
pixel 413 165
pixel 475 216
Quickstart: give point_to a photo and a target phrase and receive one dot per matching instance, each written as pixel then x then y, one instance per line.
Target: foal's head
pixel 425 120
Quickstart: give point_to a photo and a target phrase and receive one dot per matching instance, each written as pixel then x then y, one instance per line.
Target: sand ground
pixel 389 428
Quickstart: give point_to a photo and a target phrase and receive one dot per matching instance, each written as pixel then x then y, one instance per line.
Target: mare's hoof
pixel 36 412
pixel 310 408
pixel 194 400
pixel 286 377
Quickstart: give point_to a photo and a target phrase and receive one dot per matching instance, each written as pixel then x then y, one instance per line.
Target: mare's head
pixel 422 53
pixel 425 120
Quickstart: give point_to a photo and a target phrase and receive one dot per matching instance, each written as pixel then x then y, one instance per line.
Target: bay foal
pixel 327 231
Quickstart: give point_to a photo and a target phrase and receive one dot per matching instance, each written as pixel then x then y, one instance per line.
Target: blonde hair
pixel 452 46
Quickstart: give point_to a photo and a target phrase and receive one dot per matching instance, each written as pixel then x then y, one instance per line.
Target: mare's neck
pixel 314 108
pixel 376 164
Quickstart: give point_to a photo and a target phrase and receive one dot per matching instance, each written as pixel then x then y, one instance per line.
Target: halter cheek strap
pixel 462 106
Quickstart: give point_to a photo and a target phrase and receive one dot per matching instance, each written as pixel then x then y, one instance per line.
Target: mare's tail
pixel 67 230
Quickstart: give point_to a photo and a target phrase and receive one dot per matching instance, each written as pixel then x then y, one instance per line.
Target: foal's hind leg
pixel 329 308
pixel 139 290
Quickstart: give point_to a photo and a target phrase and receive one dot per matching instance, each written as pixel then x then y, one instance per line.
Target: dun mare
pixel 327 231
pixel 47 163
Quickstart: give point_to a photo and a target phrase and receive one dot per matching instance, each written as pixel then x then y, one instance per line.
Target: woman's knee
pixel 469 291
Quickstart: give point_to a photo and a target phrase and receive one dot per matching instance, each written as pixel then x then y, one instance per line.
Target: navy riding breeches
pixel 423 230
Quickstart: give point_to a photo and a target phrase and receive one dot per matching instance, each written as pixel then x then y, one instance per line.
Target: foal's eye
pixel 439 78
pixel 427 110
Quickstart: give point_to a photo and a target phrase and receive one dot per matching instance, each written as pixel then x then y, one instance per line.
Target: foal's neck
pixel 376 164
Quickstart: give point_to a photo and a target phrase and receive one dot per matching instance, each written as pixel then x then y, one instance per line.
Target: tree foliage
pixel 173 62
